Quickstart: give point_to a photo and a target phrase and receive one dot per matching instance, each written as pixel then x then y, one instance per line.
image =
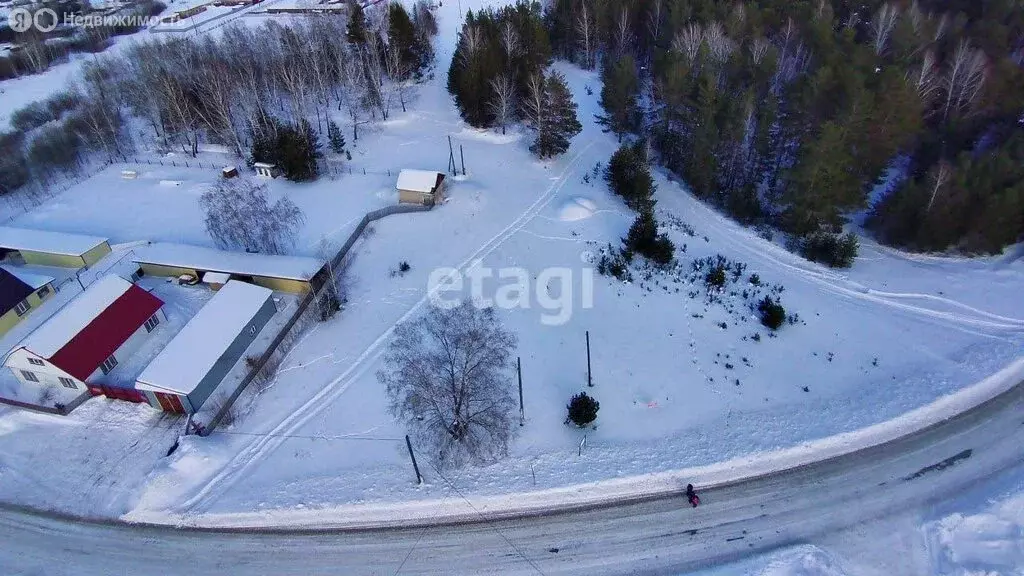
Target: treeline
pixel 245 88
pixel 36 51
pixel 499 76
pixel 789 112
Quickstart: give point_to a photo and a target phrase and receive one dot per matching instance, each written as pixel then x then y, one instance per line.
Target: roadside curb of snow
pixel 606 493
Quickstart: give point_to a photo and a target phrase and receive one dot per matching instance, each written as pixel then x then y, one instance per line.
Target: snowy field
pixel 162 205
pixel 676 388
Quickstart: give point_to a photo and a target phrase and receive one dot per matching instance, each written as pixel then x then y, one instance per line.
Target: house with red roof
pixel 80 345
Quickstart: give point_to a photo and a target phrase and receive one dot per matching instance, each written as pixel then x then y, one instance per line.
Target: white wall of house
pixel 47 374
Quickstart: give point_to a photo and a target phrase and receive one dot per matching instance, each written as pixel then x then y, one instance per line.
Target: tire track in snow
pixel 832 282
pixel 262 446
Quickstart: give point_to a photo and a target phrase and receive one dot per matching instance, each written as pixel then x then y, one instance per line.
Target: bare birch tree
pixel 239 216
pixel 448 378
pixel 882 26
pixel 688 42
pixel 964 80
pixel 585 31
pixel 503 100
pixel 533 106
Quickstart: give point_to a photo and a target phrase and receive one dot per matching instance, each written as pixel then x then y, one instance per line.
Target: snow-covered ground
pixel 162 204
pixel 676 388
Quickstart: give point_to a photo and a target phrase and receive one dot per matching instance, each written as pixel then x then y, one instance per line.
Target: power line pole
pixel 408 444
pixel 519 371
pixel 590 382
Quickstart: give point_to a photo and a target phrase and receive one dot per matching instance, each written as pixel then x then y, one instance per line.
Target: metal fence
pixel 293 324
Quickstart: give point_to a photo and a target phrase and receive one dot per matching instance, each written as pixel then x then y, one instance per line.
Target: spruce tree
pixel 643 239
pixel 356 31
pixel 558 122
pixel 619 95
pixel 629 176
pixel 410 45
pixel 335 137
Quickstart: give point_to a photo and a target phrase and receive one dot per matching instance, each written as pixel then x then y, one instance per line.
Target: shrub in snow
pixel 447 375
pixel 583 409
pixel 772 313
pixel 830 249
pixel 715 278
pixel 614 263
pixel 404 266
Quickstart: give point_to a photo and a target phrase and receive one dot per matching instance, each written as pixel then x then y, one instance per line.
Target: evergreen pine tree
pixel 411 46
pixel 619 95
pixel 643 239
pixel 295 150
pixel 335 137
pixel 629 176
pixel 558 122
pixel 356 31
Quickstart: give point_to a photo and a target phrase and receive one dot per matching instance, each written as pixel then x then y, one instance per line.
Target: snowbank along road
pixel 657 535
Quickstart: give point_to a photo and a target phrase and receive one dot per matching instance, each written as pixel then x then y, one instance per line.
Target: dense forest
pixel 791 112
pixel 792 115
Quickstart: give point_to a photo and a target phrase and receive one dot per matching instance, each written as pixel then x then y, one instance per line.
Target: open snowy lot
pixel 681 377
pixel 162 205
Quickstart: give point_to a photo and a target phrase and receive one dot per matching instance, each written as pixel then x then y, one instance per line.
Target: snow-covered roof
pixel 213 260
pixel 49 242
pixel 216 277
pixel 264 165
pixel 190 356
pixel 36 281
pixel 418 180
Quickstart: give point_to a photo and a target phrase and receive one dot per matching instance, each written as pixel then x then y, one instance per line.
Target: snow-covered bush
pixel 582 409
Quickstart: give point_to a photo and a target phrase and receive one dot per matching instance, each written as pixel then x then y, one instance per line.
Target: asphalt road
pixel 660 536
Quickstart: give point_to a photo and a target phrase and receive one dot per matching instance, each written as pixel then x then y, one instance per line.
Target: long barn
pixel 294 274
pixel 45 248
pixel 182 377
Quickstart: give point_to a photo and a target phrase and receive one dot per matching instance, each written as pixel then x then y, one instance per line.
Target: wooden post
pixel 408 444
pixel 589 381
pixel 519 371
pixel 451 158
pixel 462 156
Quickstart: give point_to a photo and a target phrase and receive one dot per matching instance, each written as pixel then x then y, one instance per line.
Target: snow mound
pixel 577 208
pixel 991 542
pixel 803 561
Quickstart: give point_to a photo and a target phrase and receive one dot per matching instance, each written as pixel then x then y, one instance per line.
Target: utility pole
pixel 463 157
pixel 519 371
pixel 408 444
pixel 590 382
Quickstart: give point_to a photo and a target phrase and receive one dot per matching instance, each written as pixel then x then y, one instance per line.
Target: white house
pixel 86 340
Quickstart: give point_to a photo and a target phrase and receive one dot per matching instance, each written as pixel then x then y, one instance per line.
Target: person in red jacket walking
pixel 692 496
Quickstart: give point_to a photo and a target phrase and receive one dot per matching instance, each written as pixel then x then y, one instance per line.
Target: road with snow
pixel 660 535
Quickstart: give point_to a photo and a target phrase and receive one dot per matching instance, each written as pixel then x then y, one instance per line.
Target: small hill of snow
pixel 577 208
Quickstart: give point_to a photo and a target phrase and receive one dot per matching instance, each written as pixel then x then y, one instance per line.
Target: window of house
pixel 108 365
pixel 67 382
pixel 36 362
pixel 43 292
pixel 153 321
pixel 22 307
pixel 30 376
